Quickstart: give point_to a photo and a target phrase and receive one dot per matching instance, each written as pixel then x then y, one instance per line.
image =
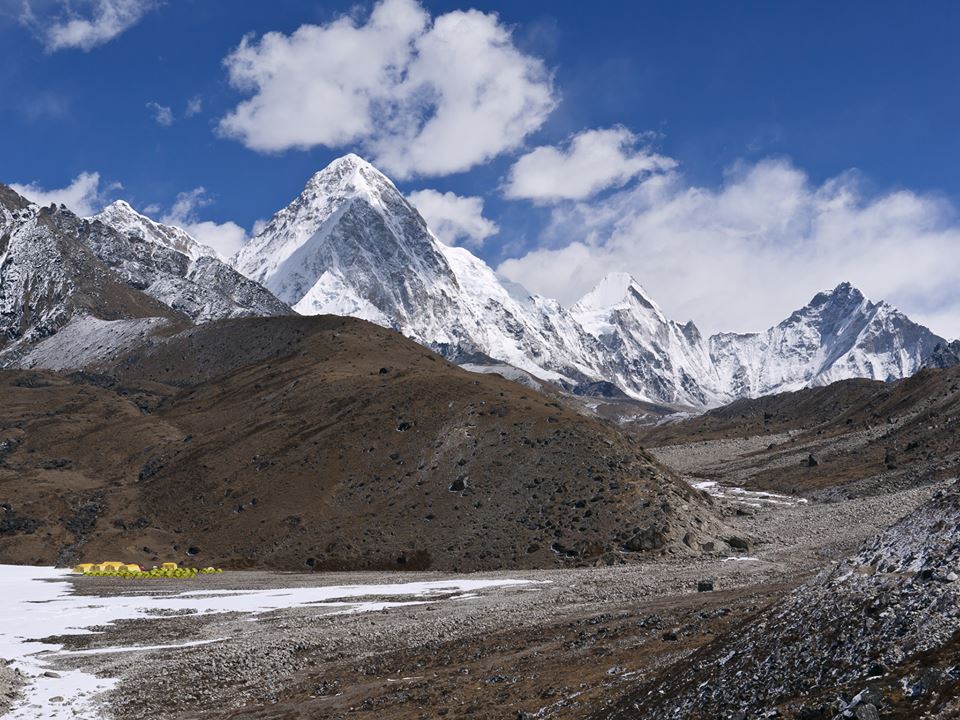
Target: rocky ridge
pixel 59 270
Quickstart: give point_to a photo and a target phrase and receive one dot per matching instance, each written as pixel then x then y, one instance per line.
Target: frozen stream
pixel 38 602
pixel 753 498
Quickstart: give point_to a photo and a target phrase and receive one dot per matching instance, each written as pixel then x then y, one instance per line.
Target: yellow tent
pixel 168 566
pixel 83 568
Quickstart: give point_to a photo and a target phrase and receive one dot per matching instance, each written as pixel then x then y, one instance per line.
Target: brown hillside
pixel 906 432
pixel 321 442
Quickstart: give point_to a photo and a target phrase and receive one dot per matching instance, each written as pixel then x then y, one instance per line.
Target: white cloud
pixel 743 256
pixel 163 114
pixel 226 238
pixel 83 196
pixel 194 106
pixel 423 97
pixel 592 161
pixel 84 24
pixel 454 218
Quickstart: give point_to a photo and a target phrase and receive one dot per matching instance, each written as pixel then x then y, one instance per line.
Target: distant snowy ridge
pixel 351 244
pixel 128 222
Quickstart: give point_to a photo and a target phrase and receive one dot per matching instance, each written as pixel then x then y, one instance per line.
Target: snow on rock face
pixel 839 335
pixel 351 244
pixel 649 354
pixel 203 289
pixel 86 340
pixel 128 222
pixel 56 267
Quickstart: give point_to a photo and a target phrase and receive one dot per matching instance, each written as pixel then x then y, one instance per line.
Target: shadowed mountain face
pixel 326 443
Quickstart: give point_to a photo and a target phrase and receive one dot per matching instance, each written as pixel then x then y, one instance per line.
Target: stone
pixel 705 586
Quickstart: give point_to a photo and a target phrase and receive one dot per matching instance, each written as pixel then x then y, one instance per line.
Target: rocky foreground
pixel 567 644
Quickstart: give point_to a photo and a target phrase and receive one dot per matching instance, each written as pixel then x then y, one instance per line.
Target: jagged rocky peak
pixel 838 335
pixel 616 290
pixel 944 355
pixel 650 356
pixel 121 216
pixel 351 174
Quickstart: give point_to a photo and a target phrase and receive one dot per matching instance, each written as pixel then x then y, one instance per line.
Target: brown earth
pixel 321 443
pixel 864 436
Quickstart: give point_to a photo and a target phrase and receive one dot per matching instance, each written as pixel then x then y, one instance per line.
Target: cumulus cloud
pixel 83 24
pixel 194 106
pixel 226 238
pixel 454 218
pixel 83 196
pixel 423 96
pixel 592 161
pixel 163 114
pixel 741 257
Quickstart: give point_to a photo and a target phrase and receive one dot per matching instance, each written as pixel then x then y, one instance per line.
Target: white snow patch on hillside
pixel 86 340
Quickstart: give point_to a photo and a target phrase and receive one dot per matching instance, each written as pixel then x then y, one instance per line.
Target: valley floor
pixel 544 644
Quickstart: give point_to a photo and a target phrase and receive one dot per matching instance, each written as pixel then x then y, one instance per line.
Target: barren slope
pixel 327 443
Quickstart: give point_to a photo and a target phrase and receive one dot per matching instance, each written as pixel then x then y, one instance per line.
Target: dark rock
pixel 812 460
pixel 890 458
pixel 459 485
pixel 705 586
pixel 57 464
pixel 11 523
pixel 738 543
pixel 866 712
pixel 813 713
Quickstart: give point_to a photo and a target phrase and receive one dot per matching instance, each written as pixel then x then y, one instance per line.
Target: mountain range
pixel 351 244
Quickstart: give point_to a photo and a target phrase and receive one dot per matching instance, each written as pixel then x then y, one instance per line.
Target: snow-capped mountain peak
pixel 350 243
pixel 839 334
pixel 349 219
pixel 350 174
pixel 616 291
pixel 128 222
pixel 651 354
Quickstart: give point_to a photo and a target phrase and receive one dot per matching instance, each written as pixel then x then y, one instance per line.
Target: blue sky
pixel 768 150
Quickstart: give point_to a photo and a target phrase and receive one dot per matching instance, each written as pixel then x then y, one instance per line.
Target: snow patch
pixel 38 602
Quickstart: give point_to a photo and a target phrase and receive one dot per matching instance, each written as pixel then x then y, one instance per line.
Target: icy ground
pixel 38 602
pixel 753 498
